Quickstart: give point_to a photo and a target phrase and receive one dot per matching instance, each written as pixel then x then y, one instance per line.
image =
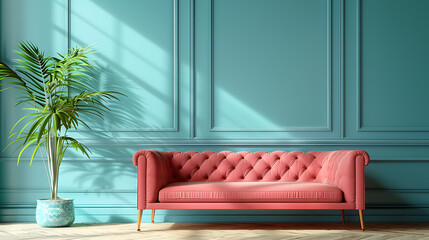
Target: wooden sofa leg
pixel 153 215
pixel 139 220
pixel 362 227
pixel 342 215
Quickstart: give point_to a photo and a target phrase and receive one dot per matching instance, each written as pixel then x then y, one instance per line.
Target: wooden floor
pixel 257 231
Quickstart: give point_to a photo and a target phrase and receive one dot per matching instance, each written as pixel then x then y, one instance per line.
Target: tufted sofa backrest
pixel 247 167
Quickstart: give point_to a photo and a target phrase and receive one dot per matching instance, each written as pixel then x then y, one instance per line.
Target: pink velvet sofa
pixel 244 180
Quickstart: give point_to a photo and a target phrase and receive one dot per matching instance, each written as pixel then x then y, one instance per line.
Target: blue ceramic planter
pixel 55 213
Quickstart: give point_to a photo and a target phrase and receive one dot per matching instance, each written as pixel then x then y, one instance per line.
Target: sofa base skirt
pixel 301 206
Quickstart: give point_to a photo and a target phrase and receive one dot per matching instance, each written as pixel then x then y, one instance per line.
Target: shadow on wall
pixel 104 78
pixel 109 178
pixel 378 194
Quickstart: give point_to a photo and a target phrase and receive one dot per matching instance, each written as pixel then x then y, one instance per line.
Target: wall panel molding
pixel 342 119
pixel 252 142
pixel 327 128
pixel 192 93
pixel 100 160
pixel 175 103
pixel 360 127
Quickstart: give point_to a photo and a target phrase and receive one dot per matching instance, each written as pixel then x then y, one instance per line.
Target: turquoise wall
pixel 233 75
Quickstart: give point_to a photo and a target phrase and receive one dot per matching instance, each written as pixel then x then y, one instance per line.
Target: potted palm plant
pixel 57 92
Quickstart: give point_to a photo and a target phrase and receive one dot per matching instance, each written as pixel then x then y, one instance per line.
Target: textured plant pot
pixel 55 213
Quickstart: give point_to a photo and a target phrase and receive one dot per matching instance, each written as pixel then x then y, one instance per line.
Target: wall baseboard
pixel 129 214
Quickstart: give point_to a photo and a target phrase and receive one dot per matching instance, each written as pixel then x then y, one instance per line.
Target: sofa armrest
pixel 154 172
pixel 345 169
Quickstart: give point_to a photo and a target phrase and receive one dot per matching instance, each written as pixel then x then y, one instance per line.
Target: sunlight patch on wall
pixel 135 48
pixel 244 116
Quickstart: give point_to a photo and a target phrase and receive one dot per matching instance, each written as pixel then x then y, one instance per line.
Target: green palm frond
pixel 46 82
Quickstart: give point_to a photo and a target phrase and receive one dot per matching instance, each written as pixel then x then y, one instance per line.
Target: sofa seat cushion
pixel 250 192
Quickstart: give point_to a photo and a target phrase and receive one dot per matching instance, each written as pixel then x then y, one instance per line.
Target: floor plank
pixel 197 231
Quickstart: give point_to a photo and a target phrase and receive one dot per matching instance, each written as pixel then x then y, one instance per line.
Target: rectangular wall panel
pixel 260 66
pixel 136 43
pixel 391 69
pixel 264 61
pixel 394 71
